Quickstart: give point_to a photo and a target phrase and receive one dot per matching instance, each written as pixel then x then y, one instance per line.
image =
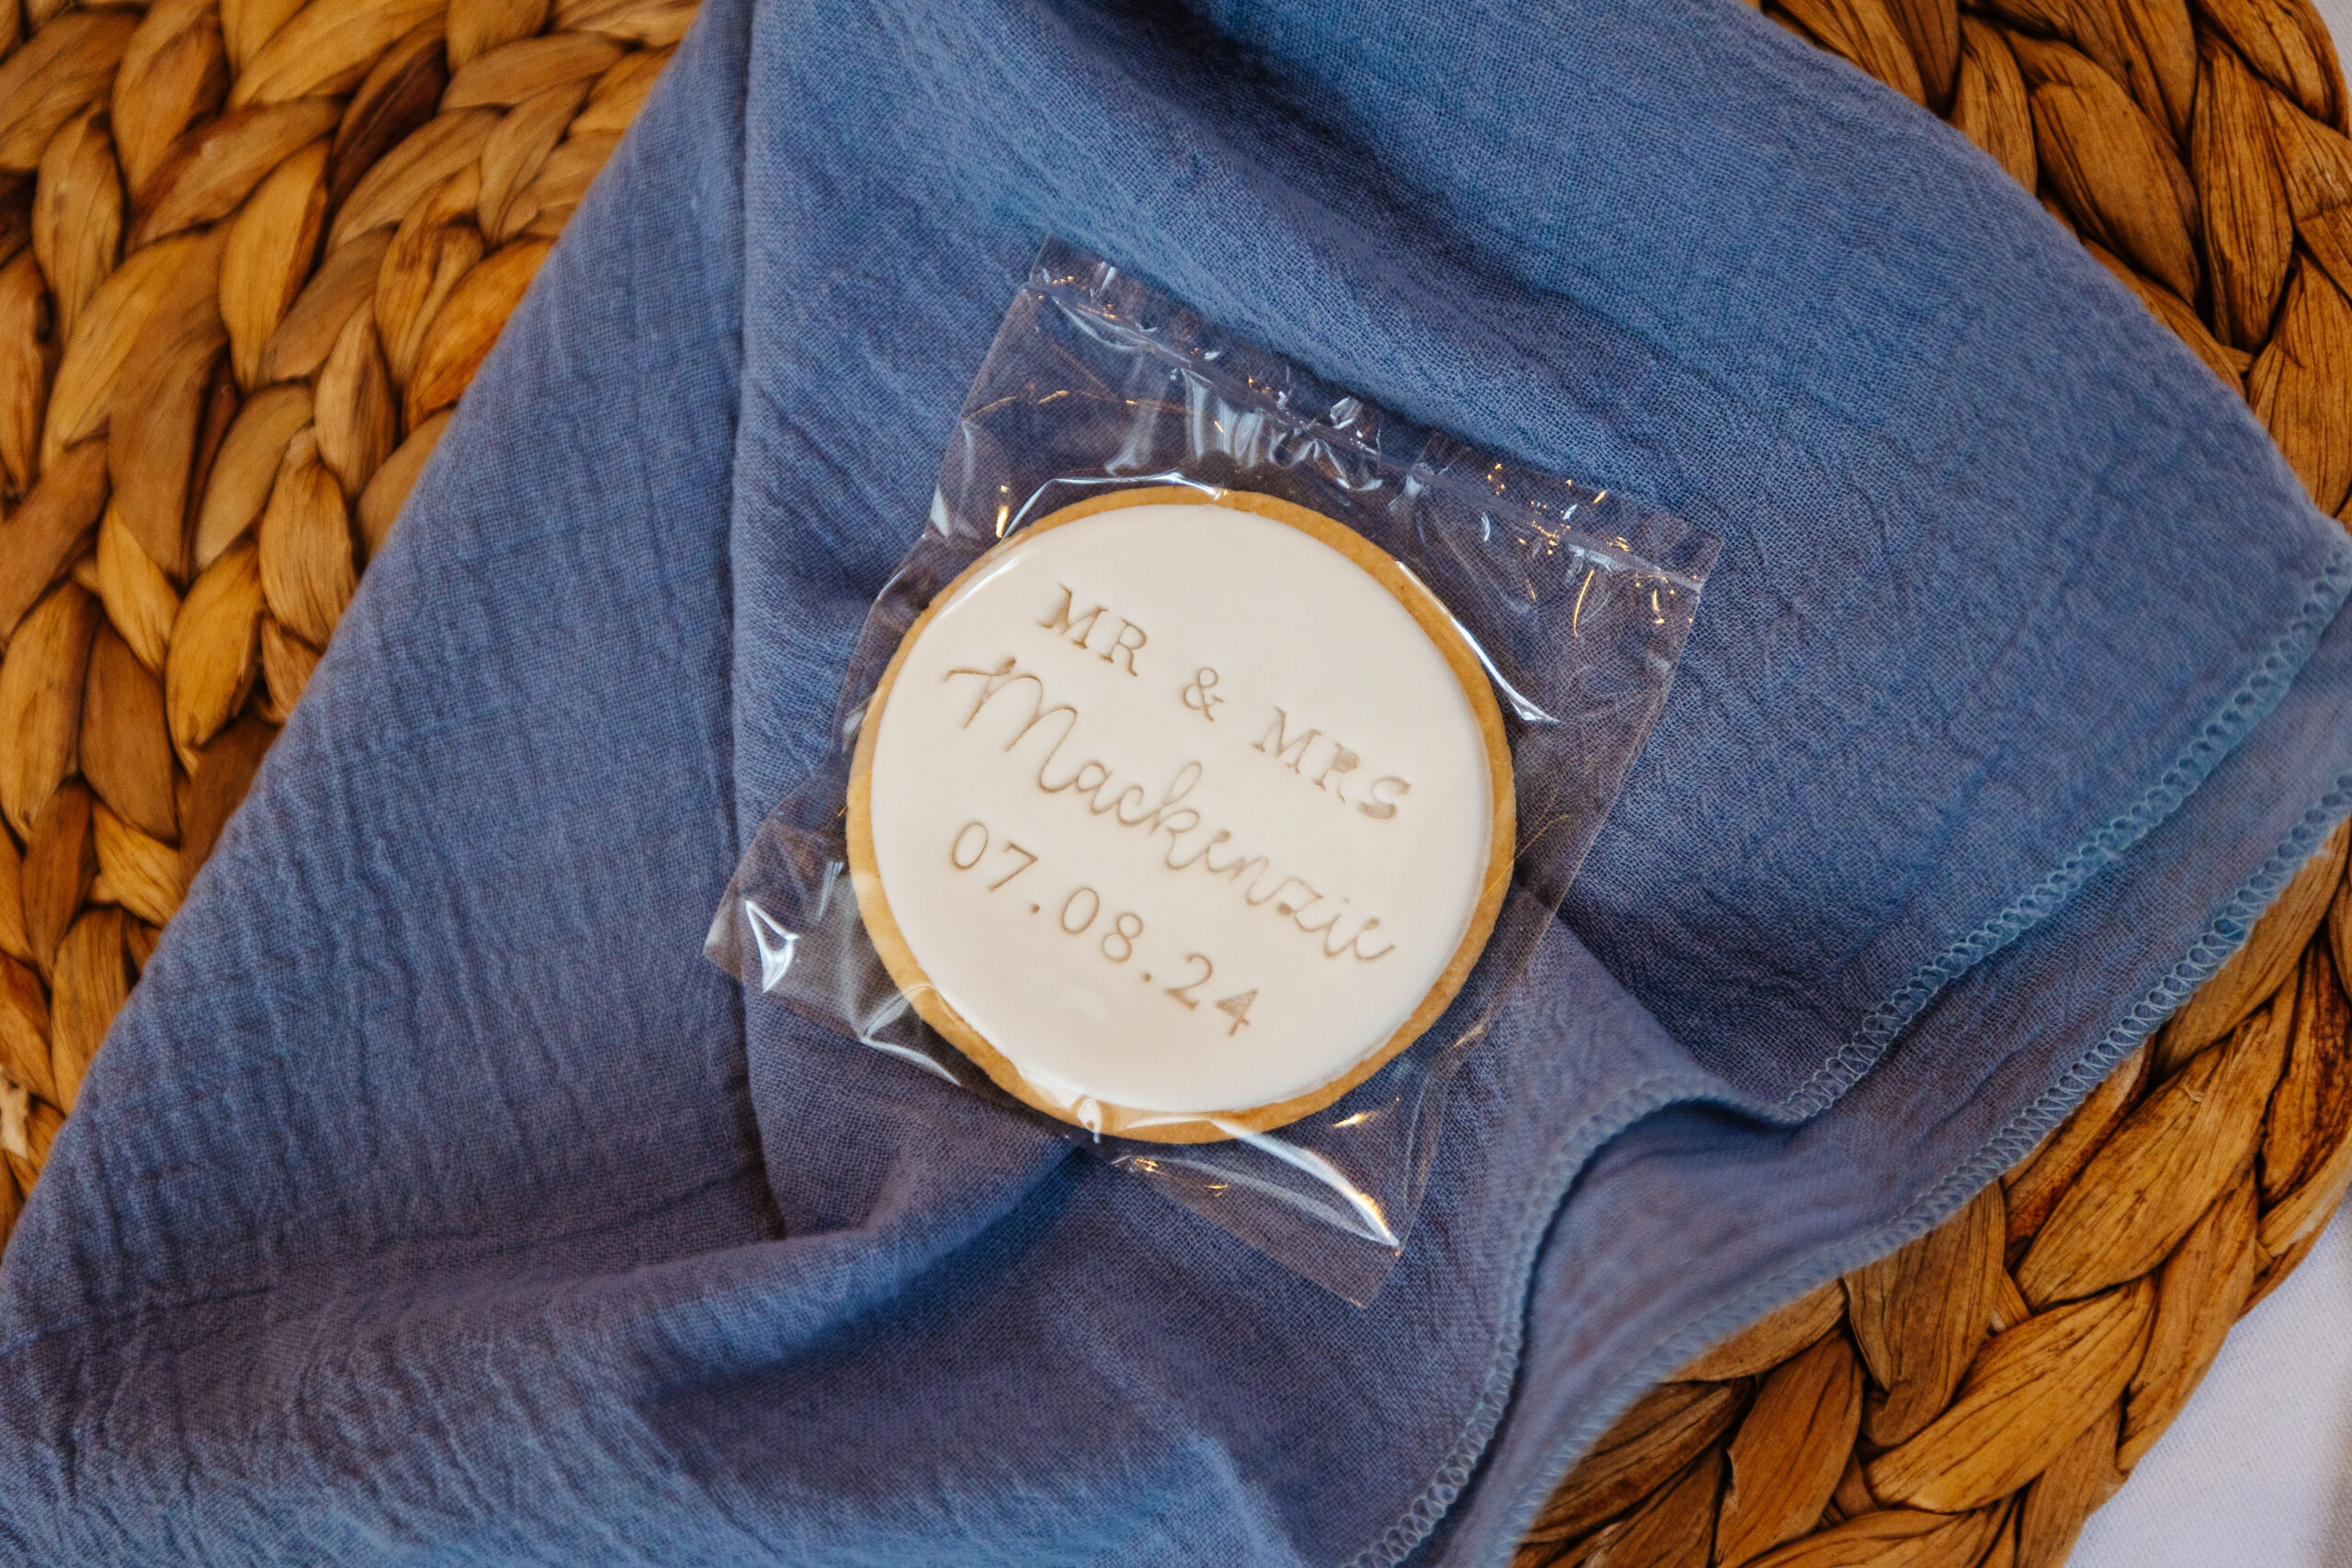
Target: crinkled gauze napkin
pixel 434 1201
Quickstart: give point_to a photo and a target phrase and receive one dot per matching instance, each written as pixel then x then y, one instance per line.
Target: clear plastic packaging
pixel 1574 604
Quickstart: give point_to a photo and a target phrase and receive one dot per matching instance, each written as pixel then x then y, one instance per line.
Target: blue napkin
pixel 433 1201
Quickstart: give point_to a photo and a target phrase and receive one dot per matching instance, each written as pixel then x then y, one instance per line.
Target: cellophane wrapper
pixel 1576 601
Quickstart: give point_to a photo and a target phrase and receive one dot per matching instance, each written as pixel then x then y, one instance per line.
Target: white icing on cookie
pixel 1182 811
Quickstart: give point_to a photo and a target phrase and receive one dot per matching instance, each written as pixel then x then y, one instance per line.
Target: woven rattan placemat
pixel 252 252
pixel 1967 1403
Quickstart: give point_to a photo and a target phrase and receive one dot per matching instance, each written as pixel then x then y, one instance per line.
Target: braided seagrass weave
pixel 252 252
pixel 1967 1403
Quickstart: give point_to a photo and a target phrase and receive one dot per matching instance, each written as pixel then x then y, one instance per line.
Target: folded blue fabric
pixel 433 1201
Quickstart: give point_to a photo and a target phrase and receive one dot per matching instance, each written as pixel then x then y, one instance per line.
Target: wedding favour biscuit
pixel 1181 812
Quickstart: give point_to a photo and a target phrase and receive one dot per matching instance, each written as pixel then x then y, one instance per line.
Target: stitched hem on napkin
pixel 2221 937
pixel 2254 696
pixel 1575 1149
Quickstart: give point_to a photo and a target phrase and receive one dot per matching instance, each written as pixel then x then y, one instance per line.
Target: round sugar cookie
pixel 1179 812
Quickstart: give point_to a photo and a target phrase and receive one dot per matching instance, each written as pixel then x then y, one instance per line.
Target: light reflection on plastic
pixel 1373 1225
pixel 774 943
pixel 906 1054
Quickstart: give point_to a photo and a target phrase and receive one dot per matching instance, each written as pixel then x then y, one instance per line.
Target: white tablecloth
pixel 2258 1470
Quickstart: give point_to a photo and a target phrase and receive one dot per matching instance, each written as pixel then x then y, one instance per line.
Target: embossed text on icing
pixel 1080 625
pixel 1292 752
pixel 1097 784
